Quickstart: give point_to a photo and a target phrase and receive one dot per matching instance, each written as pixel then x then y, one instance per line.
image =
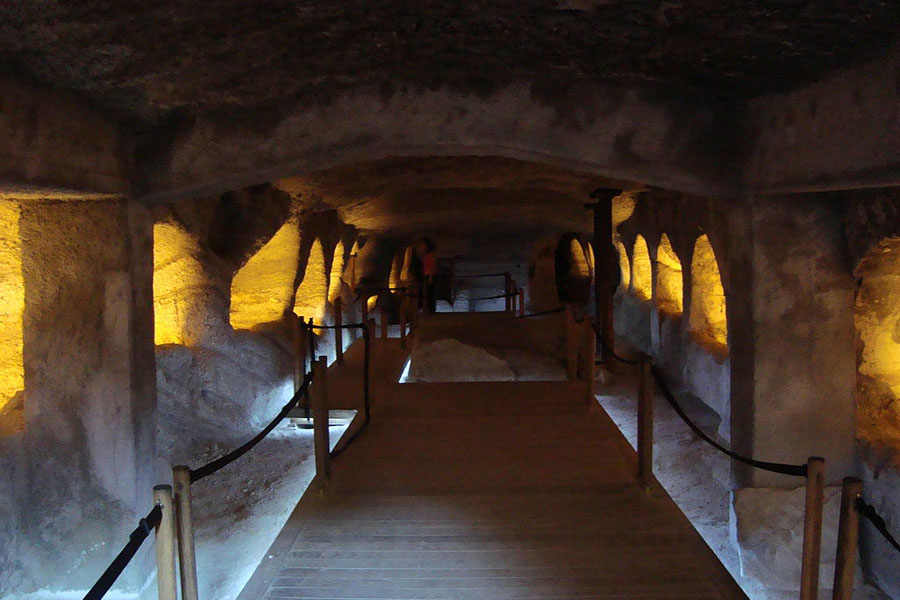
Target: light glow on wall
pixel 624 265
pixel 337 272
pixel 312 293
pixel 580 266
pixel 261 290
pixel 177 271
pixel 877 320
pixel 12 307
pixel 669 279
pixel 707 321
pixel 641 271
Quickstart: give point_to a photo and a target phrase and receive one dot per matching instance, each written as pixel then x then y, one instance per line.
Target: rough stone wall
pixel 81 472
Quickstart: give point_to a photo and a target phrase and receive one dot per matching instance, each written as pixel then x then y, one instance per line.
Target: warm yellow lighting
pixel 337 272
pixel 707 320
pixel 623 207
pixel 641 274
pixel 312 292
pixel 262 289
pixel 177 271
pixel 580 267
pixel 876 315
pixel 406 269
pixel 624 265
pixel 396 267
pixel 12 306
pixel 669 279
pixel 590 258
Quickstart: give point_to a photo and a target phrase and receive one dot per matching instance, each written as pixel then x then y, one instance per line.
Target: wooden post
pixel 507 286
pixel 319 402
pixel 645 422
pixel 571 346
pixel 299 352
pixel 165 544
pixel 353 273
pixel 384 324
pixel 521 302
pixel 848 540
pixel 604 262
pixel 187 555
pixel 812 528
pixel 403 306
pixel 370 325
pixel 590 351
pixel 338 332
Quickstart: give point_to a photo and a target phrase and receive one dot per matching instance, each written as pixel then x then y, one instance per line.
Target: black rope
pixel 213 466
pixel 115 568
pixel 784 469
pixel 344 326
pixel 552 311
pixel 868 511
pixel 509 295
pixel 612 352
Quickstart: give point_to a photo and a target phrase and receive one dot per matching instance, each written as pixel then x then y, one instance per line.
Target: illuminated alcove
pixel 12 306
pixel 580 265
pixel 177 274
pixel 641 273
pixel 312 293
pixel 669 279
pixel 406 275
pixel 877 319
pixel 262 289
pixel 337 272
pixel 707 320
pixel 624 265
pixel 396 269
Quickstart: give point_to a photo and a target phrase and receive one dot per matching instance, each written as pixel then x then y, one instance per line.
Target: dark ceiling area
pixel 150 57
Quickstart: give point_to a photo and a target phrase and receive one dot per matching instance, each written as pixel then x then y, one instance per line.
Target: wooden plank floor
pixel 506 490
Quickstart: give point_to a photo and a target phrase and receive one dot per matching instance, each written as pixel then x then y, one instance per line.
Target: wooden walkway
pixel 506 490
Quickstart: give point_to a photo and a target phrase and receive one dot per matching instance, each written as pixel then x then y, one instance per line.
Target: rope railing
pixel 118 564
pixel 541 313
pixel 877 521
pixel 497 297
pixel 773 467
pixel 217 464
pixel 476 275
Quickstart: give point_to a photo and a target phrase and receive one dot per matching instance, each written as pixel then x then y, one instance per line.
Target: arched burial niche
pixel 707 321
pixel 624 265
pixel 178 283
pixel 669 279
pixel 877 319
pixel 573 270
pixel 641 274
pixel 12 307
pixel 312 293
pixel 262 289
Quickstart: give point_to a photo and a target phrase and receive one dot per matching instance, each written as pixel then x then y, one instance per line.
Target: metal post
pixel 571 345
pixel 521 302
pixel 299 352
pixel 338 332
pixel 187 555
pixel 165 544
pixel 645 422
pixel 319 402
pixel 507 286
pixel 403 306
pixel 384 324
pixel 812 528
pixel 365 307
pixel 848 540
